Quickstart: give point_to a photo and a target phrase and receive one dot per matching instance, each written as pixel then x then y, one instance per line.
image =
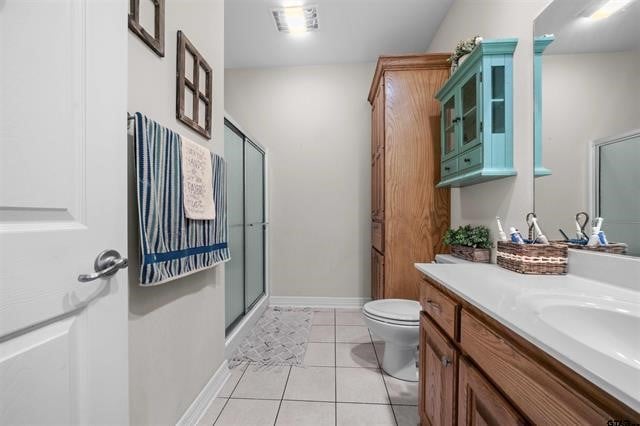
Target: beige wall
pixel 585 97
pixel 315 123
pixel 176 330
pixel 510 198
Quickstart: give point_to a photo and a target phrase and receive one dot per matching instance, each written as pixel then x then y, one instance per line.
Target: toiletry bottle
pixel 594 241
pixel 602 238
pixel 541 238
pixel 515 236
pixel 503 236
pixel 579 234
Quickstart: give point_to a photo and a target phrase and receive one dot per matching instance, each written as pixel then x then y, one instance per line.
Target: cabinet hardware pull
pixel 434 305
pixel 455 120
pixel 447 168
pixel 445 361
pixel 467 160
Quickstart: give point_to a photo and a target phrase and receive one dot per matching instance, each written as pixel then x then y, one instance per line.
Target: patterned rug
pixel 278 338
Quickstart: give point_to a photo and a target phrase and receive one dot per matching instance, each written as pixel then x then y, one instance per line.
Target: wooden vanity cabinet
pixel 377 274
pixel 480 403
pixel 438 375
pixel 476 371
pixel 409 215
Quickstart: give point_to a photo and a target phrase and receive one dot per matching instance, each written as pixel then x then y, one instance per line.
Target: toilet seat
pixel 394 311
pixel 393 322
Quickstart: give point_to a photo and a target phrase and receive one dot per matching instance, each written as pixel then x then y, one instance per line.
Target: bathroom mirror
pixel 587 118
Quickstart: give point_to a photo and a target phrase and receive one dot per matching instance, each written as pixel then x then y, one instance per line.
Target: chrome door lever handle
pixel 107 263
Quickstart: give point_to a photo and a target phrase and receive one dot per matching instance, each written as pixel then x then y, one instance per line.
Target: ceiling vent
pixel 299 19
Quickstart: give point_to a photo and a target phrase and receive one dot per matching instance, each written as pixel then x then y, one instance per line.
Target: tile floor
pixel 340 383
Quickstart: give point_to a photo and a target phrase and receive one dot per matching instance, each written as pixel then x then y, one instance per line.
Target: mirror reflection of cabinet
pixel 476 117
pixel 586 90
pixel 539 45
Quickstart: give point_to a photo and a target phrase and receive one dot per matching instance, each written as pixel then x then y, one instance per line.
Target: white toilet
pixel 397 322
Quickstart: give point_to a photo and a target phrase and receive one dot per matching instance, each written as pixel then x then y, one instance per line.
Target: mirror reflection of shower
pixel 587 118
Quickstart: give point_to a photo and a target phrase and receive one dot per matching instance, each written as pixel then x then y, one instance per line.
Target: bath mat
pixel 279 338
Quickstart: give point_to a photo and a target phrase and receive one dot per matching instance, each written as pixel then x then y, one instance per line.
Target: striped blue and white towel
pixel 172 245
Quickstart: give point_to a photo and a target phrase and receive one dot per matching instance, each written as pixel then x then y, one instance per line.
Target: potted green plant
pixel 462 50
pixel 471 243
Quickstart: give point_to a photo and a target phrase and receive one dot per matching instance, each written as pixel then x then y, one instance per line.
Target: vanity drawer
pixel 449 167
pixel 441 308
pixel 542 396
pixel 470 159
pixel 377 236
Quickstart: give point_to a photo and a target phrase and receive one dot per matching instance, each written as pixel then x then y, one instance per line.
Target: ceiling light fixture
pixel 296 20
pixel 606 9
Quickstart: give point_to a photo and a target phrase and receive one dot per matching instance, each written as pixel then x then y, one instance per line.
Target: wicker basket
pixel 614 248
pixel 543 259
pixel 471 254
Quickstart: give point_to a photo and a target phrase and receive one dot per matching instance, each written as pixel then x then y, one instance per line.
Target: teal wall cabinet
pixel 476 117
pixel 539 44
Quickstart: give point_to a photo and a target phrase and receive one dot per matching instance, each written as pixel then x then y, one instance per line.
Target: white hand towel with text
pixel 197 184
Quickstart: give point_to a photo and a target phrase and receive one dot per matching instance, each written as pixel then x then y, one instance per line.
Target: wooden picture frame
pixel 155 41
pixel 194 86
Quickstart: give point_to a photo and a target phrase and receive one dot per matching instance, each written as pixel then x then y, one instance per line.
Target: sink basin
pixel 603 324
pixel 613 332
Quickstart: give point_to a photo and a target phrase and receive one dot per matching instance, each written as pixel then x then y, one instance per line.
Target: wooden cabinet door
pixel 438 369
pixel 479 403
pixel 377 275
pixel 377 157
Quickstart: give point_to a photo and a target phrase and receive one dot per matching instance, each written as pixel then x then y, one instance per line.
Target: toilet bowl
pixel 397 323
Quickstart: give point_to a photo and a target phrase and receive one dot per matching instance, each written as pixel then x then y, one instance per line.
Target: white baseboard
pixel 320 302
pixel 242 329
pixel 207 395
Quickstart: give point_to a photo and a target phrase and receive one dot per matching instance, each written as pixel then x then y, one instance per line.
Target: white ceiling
pixel 575 33
pixel 350 31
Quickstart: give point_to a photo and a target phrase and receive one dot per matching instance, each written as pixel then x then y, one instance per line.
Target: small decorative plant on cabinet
pixel 470 243
pixel 462 51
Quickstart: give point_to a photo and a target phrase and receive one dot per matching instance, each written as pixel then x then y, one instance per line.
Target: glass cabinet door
pixel 449 120
pixel 498 116
pixel 470 113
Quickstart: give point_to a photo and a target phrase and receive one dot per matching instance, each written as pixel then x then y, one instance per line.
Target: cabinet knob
pixel 434 305
pixel 445 361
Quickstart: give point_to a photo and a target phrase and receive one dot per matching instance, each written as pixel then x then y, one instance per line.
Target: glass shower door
pixel 618 196
pixel 234 269
pixel 254 224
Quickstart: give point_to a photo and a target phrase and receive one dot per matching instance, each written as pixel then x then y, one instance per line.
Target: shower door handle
pixel 258 223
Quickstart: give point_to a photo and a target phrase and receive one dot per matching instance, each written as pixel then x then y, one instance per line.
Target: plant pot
pixel 471 254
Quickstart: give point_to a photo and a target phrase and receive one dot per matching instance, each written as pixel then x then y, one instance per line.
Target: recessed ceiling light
pixel 606 9
pixel 295 20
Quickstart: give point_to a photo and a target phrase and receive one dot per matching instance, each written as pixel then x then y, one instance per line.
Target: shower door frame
pixel 593 186
pixel 234 327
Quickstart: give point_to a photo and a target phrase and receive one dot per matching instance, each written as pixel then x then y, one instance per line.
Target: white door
pixel 63 343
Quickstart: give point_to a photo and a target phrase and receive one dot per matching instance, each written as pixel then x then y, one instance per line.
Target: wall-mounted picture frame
pixel 194 82
pixel 156 40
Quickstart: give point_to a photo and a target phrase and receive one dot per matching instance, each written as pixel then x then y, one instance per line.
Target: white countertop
pixel 611 361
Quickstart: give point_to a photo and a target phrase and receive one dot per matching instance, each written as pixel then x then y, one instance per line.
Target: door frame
pixel 241 327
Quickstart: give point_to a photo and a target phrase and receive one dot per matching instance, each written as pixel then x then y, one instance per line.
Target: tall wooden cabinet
pixel 409 215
